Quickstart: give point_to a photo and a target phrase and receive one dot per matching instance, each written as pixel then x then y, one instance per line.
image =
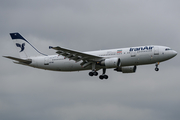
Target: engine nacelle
pixel 110 62
pixel 128 69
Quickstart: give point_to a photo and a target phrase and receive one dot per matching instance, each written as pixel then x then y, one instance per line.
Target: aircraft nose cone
pixel 174 53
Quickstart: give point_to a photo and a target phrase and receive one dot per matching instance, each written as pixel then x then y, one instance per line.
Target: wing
pixel 77 56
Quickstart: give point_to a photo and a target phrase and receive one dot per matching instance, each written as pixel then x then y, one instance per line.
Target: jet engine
pixel 128 69
pixel 110 62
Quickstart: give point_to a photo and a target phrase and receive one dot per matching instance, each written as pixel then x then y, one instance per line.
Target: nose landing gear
pixel 157 69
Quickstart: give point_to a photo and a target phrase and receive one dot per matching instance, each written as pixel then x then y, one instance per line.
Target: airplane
pixel 123 60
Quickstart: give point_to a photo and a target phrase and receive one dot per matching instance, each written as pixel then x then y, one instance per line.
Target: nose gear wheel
pixel 157 69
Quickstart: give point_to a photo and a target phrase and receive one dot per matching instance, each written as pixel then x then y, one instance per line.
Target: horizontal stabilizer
pixel 25 61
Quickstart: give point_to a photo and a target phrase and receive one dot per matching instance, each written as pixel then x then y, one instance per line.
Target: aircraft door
pixel 156 50
pixel 133 53
pixel 47 60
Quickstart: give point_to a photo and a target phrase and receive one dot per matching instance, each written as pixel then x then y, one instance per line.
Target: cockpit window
pixel 168 49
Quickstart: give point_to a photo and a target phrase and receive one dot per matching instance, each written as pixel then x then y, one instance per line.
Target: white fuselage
pixel 123 60
pixel 129 57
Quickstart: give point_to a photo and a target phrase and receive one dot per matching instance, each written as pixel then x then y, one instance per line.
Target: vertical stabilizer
pixel 24 48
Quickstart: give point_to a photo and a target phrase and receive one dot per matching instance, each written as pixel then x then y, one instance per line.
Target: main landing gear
pixel 103 76
pixel 93 73
pixel 157 69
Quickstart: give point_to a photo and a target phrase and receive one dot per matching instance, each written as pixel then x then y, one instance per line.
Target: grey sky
pixel 28 93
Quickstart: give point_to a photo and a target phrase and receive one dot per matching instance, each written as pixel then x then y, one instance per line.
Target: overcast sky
pixel 84 25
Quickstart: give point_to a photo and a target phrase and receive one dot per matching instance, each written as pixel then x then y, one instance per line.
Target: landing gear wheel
pixel 95 73
pixel 91 74
pixel 101 77
pixel 156 69
pixel 105 76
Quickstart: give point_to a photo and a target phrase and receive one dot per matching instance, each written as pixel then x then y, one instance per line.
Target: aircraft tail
pixel 24 48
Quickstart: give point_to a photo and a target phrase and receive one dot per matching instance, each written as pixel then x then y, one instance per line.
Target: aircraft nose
pixel 174 53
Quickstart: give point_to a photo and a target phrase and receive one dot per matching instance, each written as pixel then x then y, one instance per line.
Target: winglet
pixel 50 47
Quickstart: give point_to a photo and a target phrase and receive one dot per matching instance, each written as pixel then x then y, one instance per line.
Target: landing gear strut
pixel 103 76
pixel 157 69
pixel 93 72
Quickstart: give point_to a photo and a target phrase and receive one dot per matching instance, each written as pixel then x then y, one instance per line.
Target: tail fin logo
pixel 21 46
